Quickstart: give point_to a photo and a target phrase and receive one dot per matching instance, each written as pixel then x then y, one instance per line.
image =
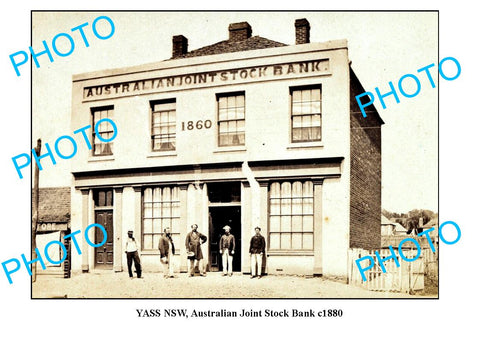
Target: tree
pixel 412 222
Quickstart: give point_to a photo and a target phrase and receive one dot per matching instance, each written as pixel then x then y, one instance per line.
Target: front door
pixel 104 254
pixel 219 218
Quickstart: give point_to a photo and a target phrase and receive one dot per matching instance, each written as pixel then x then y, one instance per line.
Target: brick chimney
pixel 302 31
pixel 239 31
pixel 179 46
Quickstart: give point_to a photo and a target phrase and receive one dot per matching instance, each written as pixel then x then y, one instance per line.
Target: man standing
pixel 193 243
pixel 257 249
pixel 227 249
pixel 167 249
pixel 131 249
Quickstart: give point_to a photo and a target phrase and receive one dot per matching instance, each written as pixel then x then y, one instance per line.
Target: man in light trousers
pixel 257 249
pixel 167 249
pixel 227 249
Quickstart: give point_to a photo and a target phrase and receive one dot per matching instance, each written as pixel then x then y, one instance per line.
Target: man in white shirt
pixel 131 249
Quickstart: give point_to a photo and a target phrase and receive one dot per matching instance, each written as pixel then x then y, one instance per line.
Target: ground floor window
pixel 291 215
pixel 161 209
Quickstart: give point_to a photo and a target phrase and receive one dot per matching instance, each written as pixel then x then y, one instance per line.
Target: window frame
pixel 219 121
pixel 169 137
pixel 175 233
pixel 304 231
pixel 312 114
pixel 94 110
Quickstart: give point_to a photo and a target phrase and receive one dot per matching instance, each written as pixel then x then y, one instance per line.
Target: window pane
pixel 222 102
pixel 308 241
pixel 286 206
pixel 296 241
pixel 223 127
pixel 240 125
pixel 286 223
pixel 157 194
pixel 274 241
pixel 231 113
pixel 308 223
pixel 147 195
pixel 240 101
pixel 166 223
pixel 147 210
pixel 316 95
pixel 296 96
pixel 297 134
pixel 297 223
pixel 147 242
pixel 275 190
pixel 274 206
pixel 240 112
pixel 305 108
pixel 231 101
pixel 285 241
pixel 101 198
pixel 147 225
pixel 175 225
pixel 274 223
pixel 308 205
pixel 286 190
pixel 157 225
pixel 222 114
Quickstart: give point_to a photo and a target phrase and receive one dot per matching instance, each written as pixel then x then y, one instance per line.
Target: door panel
pixel 104 254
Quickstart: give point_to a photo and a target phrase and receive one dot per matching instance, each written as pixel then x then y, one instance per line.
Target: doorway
pixel 219 217
pixel 104 254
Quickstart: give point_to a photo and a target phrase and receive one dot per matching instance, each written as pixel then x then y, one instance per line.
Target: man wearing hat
pixel 131 249
pixel 227 249
pixel 167 249
pixel 193 243
pixel 257 249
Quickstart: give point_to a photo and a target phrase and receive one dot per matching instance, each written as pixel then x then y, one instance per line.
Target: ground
pixel 118 285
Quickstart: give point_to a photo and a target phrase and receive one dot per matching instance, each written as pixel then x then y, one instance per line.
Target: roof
pixel 53 204
pixel 229 46
pixel 385 220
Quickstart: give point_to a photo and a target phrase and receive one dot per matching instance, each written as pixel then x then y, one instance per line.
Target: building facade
pixel 246 132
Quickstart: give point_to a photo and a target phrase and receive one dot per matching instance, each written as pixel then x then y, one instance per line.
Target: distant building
pixel 392 228
pixel 53 223
pixel 246 132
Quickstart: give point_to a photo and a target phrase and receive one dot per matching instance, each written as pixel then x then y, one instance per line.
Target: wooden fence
pixel 407 278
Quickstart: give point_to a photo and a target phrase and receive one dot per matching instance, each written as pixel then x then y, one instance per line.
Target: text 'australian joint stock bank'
pixel 244 313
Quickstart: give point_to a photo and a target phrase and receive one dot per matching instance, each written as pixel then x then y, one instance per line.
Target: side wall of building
pixel 365 173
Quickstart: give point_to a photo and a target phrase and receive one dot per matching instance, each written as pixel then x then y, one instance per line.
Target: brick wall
pixel 365 173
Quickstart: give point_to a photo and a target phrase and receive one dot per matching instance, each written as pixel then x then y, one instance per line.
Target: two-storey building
pixel 246 132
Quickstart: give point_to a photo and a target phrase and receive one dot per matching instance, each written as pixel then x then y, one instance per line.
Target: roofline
pixel 373 105
pixel 211 59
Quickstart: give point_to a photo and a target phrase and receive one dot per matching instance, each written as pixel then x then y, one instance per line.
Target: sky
pixel 383 46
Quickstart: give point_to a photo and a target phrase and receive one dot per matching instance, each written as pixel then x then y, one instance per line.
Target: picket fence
pixel 407 278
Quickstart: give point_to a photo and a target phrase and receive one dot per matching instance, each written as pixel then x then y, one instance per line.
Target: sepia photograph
pixel 234 155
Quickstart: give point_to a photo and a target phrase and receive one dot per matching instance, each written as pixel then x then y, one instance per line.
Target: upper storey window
pixel 231 119
pixel 306 114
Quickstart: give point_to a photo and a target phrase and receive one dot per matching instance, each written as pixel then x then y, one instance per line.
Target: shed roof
pixel 53 204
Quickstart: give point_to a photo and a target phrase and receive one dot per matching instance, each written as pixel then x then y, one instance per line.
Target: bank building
pixel 246 132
